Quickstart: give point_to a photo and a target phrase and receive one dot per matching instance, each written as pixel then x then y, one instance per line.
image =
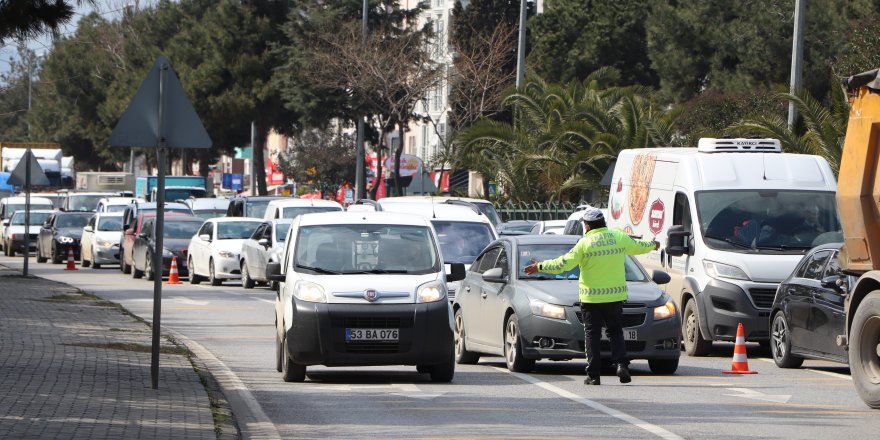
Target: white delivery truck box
pixel 733 217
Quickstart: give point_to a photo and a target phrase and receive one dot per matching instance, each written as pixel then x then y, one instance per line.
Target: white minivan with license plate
pixel 363 288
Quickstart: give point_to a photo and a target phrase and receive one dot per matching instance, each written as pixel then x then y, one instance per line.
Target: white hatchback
pixel 213 253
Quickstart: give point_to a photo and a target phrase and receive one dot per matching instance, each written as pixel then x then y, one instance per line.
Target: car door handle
pixel 467 289
pixel 484 295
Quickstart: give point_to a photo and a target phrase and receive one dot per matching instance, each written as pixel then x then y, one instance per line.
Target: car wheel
pixel 125 267
pixel 462 355
pixel 246 280
pixel 96 266
pixel 193 278
pixel 663 366
pixel 82 256
pixel 278 349
pixel 513 354
pixel 148 269
pixel 291 372
pixel 40 257
pixel 864 350
pixel 135 273
pixel 444 372
pixel 780 346
pixel 212 275
pixel 56 259
pixel 694 343
pixel 6 250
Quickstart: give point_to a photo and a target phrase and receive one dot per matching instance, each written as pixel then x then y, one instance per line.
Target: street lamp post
pixel 797 57
pixel 360 178
pixel 521 49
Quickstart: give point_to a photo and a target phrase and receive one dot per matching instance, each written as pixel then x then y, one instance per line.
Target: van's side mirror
pixel 273 272
pixel 660 277
pixel 205 237
pixel 677 241
pixel 87 229
pixel 494 275
pixel 456 272
pixel 263 242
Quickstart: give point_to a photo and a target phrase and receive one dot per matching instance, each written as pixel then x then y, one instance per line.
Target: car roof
pixel 362 217
pixel 208 203
pixel 18 199
pixel 117 200
pixel 178 218
pixel 108 214
pixel 291 202
pixel 436 211
pixel 259 198
pixel 35 211
pixel 91 193
pixel 234 219
pixel 152 205
pixel 279 221
pixel 89 213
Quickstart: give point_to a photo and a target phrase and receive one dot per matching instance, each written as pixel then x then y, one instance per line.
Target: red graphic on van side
pixel 657 215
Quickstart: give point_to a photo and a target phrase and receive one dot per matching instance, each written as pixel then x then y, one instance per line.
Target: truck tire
pixel 864 349
pixel 694 343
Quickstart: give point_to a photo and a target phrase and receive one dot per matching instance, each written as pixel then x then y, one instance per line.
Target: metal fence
pixel 538 210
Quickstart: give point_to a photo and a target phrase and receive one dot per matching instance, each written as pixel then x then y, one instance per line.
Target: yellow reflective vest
pixel 600 256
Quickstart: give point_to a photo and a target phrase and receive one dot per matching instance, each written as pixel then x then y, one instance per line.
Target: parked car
pixel 501 310
pixel 177 232
pixel 101 239
pixel 131 223
pixel 206 208
pixel 363 288
pixel 808 311
pixel 514 227
pixel 548 227
pixel 61 231
pixel 214 252
pixel 10 205
pixel 13 237
pixel 250 206
pixel 290 208
pixel 263 247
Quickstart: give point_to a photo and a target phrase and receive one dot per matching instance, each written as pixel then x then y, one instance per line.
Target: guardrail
pixel 538 210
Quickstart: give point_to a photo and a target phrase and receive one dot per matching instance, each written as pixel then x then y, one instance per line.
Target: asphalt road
pixel 236 326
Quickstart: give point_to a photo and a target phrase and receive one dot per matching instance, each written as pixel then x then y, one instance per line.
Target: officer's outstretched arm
pixel 634 246
pixel 563 263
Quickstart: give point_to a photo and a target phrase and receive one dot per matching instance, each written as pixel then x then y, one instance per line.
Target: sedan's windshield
pixel 541 252
pixel 72 220
pixel 177 229
pixel 37 218
pixel 754 221
pixel 115 208
pixel 110 224
pixel 358 249
pixel 293 212
pixel 256 208
pixel 236 230
pixel 461 242
pixel 83 202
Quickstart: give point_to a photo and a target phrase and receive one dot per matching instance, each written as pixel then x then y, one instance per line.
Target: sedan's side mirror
pixel 456 272
pixel 660 277
pixel 494 275
pixel 87 229
pixel 5 222
pixel 263 242
pixel 834 282
pixel 677 241
pixel 205 237
pixel 273 272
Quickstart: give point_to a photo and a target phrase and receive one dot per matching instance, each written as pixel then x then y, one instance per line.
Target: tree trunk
pixel 378 179
pixel 398 191
pixel 259 158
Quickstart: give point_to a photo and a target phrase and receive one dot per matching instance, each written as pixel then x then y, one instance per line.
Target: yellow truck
pixel 858 202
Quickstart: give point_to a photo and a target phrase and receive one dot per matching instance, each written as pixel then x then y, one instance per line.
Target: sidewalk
pixel 74 366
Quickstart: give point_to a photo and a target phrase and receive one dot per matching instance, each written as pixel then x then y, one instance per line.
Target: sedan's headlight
pixel 719 270
pixel 431 292
pixel 308 291
pixel 64 239
pixel 104 243
pixel 226 254
pixel 541 308
pixel 665 311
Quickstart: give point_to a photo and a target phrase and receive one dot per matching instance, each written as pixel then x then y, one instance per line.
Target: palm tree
pixel 564 136
pixel 821 130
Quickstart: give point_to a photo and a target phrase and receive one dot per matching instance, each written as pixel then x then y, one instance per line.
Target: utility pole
pixel 253 164
pixel 360 177
pixel 30 76
pixel 797 57
pixel 521 49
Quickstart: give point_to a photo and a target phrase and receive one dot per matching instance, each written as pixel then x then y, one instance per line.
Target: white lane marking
pixel 185 300
pixel 749 393
pixel 827 373
pixel 263 300
pixel 653 429
pixel 252 421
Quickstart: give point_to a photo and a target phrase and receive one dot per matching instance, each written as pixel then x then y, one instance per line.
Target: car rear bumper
pixel 656 339
pixel 318 334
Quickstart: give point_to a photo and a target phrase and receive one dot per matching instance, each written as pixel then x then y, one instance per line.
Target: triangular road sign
pixel 139 125
pixel 19 174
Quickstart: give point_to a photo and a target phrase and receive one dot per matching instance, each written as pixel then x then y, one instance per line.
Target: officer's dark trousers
pixel 596 316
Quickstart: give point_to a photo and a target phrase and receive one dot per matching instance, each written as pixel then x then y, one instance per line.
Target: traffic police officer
pixel 602 287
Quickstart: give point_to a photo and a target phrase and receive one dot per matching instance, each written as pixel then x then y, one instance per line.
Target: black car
pixel 808 314
pixel 61 232
pixel 253 207
pixel 177 233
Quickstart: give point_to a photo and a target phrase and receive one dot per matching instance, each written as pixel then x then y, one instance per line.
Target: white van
pixel 363 288
pixel 485 206
pixel 291 208
pixel 733 217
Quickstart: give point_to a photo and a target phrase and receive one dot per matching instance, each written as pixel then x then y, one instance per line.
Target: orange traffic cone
pixel 173 276
pixel 71 264
pixel 740 361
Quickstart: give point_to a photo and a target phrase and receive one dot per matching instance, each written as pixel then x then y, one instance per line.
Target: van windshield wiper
pixel 318 269
pixel 379 271
pixel 782 247
pixel 731 241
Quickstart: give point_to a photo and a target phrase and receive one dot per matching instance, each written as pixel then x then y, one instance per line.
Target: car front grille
pixel 763 298
pixel 372 322
pixel 627 320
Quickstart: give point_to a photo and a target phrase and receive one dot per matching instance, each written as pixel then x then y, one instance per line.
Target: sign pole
pixel 160 226
pixel 27 213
